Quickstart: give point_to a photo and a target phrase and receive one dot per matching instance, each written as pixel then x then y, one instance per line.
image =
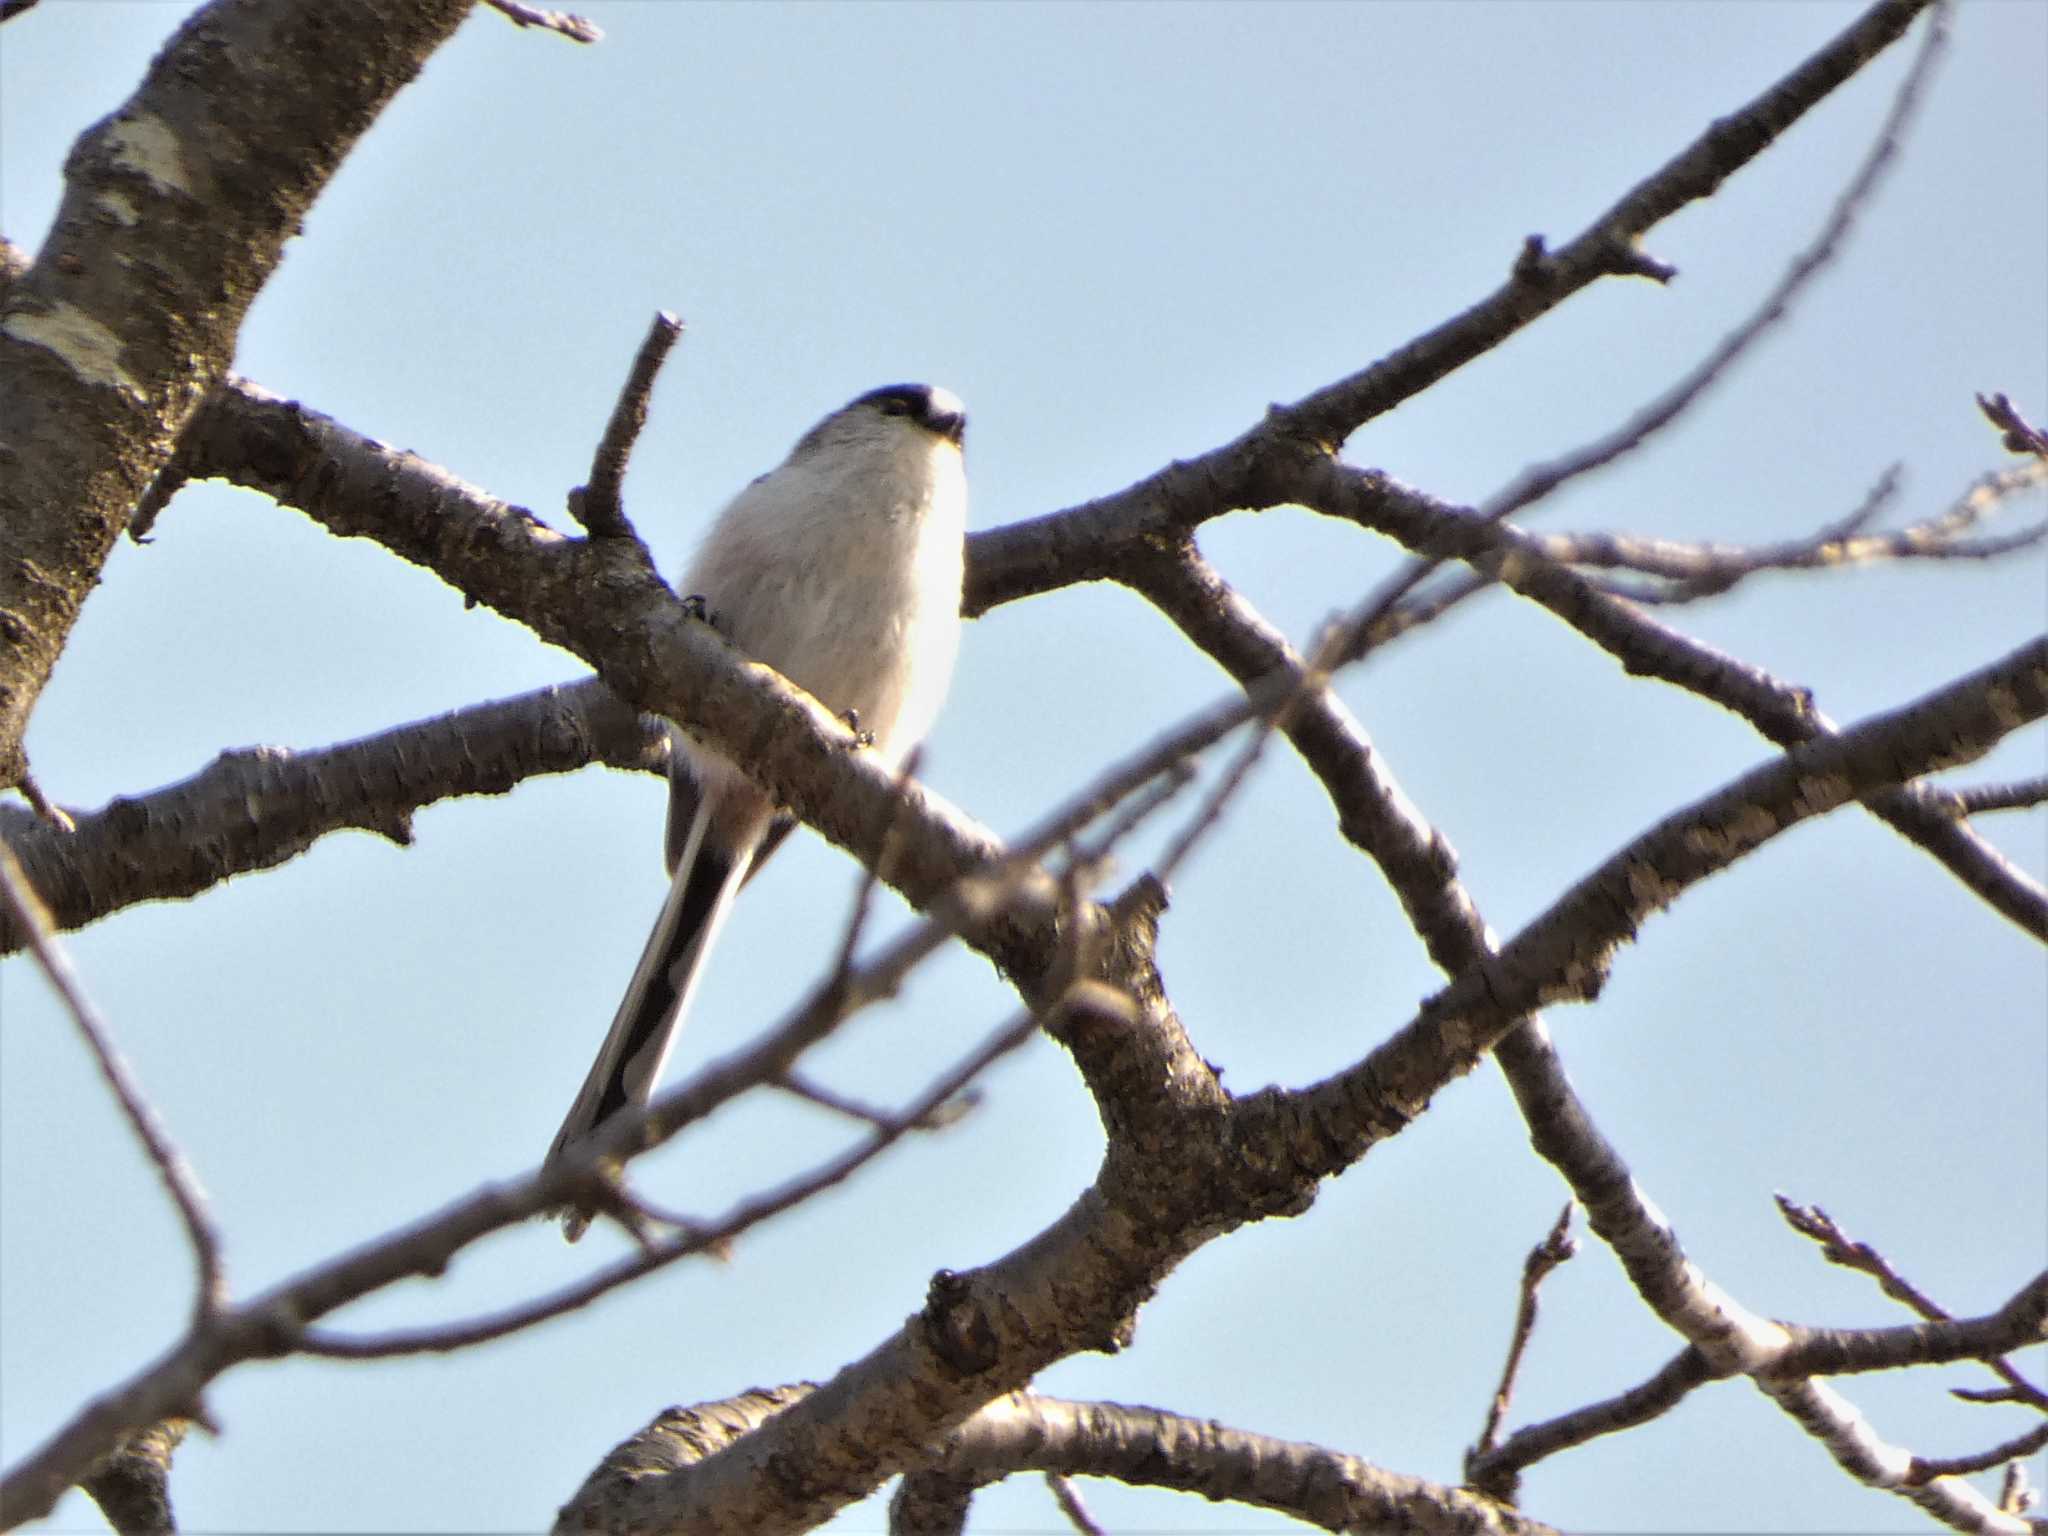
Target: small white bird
pixel 841 568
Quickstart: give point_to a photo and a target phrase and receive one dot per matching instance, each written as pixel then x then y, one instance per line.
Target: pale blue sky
pixel 1118 232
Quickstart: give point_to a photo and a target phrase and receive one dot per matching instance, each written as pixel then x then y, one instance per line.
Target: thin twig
pixel 695 1237
pixel 2021 435
pixel 872 875
pixel 1707 569
pixel 1497 1470
pixel 576 28
pixel 1536 483
pixel 1685 571
pixel 33 920
pixel 43 806
pixel 1341 643
pixel 1094 852
pixel 1837 1247
pixel 1556 1248
pixel 1540 481
pixel 1926 1469
pixel 798 1086
pixel 1312 676
pixel 2022 795
pixel 597 505
pixel 1068 1497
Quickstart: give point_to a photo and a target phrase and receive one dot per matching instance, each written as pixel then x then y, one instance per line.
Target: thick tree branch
pixel 258 807
pixel 168 228
pixel 132 1483
pixel 1564 954
pixel 1222 624
pixel 1149 1447
pixel 996 899
pixel 1192 1169
pixel 2021 1322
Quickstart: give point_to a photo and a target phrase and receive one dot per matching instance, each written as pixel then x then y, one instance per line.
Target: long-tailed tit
pixel 841 569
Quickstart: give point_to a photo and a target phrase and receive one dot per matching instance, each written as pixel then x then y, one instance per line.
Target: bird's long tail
pixel 651 1014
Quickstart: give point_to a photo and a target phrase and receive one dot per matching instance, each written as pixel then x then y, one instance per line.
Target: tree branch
pixel 1153 1448
pixel 1540 481
pixel 1781 713
pixel 576 28
pixel 114 334
pixel 1094 540
pixel 26 911
pixel 596 505
pixel 257 807
pixel 1563 955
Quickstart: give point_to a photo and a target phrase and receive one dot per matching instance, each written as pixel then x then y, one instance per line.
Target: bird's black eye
pixel 894 405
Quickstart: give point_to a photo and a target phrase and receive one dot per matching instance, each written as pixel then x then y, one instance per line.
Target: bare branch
pixel 1304 683
pixel 1837 1247
pixel 1981 799
pixel 576 28
pixel 2021 435
pixel 1372 812
pixel 54 814
pixel 2021 1322
pixel 1151 1447
pixel 1564 954
pixel 1098 540
pixel 1556 1248
pixel 28 914
pixel 1778 711
pixel 1807 1351
pixel 996 896
pixel 1068 1497
pixel 1857 1448
pixel 1497 1471
pixel 1540 481
pixel 1926 1469
pixel 928 1503
pixel 167 285
pixel 871 875
pixel 257 807
pixel 695 1237
pixel 597 505
pixel 796 1085
pixel 1696 570
pixel 681 1436
pixel 2014 1496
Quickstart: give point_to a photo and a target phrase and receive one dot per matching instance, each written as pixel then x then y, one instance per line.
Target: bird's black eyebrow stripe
pixel 918 397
